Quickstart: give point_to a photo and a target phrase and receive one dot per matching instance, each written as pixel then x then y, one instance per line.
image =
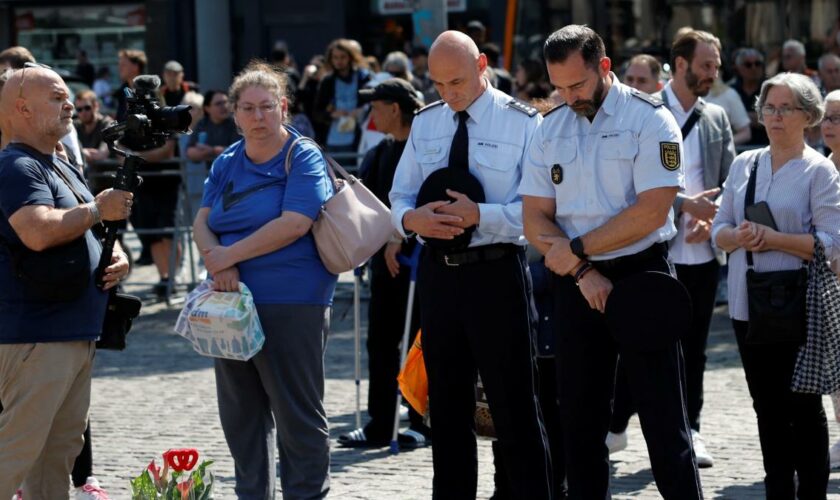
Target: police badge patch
pixel 556 174
pixel 669 153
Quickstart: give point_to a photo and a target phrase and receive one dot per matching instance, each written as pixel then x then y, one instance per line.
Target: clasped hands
pixel 443 220
pixel 559 259
pixel 753 237
pixel 220 263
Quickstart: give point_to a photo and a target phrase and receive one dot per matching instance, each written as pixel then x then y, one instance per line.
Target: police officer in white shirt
pixel 598 183
pixel 475 299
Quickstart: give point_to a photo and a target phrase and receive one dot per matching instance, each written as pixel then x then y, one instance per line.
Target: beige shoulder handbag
pixel 353 224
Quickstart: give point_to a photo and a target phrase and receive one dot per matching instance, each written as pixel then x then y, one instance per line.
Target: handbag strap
pixel 749 198
pixel 332 165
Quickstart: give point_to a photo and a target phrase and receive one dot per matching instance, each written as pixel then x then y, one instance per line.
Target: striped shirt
pixel 804 192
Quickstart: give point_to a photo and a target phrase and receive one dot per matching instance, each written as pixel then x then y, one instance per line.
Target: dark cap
pixel 396 90
pixel 475 24
pixel 647 311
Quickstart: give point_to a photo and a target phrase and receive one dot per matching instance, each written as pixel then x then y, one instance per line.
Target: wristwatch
pixel 576 245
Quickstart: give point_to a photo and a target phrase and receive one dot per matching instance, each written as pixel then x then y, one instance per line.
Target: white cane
pixel 411 262
pixel 357 341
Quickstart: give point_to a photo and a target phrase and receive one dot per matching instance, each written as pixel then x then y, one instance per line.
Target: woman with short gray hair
pixel 802 190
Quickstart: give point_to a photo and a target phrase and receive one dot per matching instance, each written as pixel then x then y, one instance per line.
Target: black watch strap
pixel 576 246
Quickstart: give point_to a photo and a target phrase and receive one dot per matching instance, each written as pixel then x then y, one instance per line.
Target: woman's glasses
pixel 784 111
pixel 833 119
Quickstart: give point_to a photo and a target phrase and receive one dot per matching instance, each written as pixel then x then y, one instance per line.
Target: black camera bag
pixel 121 311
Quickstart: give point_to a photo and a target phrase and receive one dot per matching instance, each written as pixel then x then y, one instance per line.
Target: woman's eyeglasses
pixel 833 119
pixel 265 108
pixel 784 111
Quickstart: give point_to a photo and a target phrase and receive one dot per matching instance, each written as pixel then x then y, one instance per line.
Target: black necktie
pixel 459 151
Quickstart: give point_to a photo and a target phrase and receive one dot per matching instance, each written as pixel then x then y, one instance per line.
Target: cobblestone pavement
pixel 159 394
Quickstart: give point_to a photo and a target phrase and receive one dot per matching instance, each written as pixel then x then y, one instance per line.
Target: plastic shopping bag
pixel 221 324
pixel 412 379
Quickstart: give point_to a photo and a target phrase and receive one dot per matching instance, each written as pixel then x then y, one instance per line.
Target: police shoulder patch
pixel 522 107
pixel 555 108
pixel 669 153
pixel 429 106
pixel 653 101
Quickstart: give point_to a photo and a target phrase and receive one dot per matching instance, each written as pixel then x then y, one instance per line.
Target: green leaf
pixel 208 480
pixel 143 487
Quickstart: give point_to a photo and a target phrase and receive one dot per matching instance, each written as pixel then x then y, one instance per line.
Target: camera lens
pixel 172 118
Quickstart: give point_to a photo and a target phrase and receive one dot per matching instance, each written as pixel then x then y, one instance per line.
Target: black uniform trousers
pixel 475 318
pixel 386 321
pixel 547 392
pixel 701 281
pixel 792 427
pixel 586 353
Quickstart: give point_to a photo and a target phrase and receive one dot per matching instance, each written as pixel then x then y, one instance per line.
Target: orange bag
pixel 414 384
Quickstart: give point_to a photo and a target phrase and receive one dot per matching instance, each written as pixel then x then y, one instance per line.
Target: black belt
pixel 474 255
pixel 651 252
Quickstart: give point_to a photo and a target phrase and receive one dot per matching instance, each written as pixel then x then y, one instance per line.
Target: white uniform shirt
pixel 498 139
pixel 631 146
pixel 680 251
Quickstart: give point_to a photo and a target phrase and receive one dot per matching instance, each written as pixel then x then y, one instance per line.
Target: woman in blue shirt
pixel 254 227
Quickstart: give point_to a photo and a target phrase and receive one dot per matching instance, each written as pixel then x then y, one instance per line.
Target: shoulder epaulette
pixel 555 108
pixel 522 107
pixel 653 101
pixel 429 106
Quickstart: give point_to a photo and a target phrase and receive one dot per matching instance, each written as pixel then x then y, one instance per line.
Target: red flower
pixel 156 474
pixel 182 459
pixel 185 489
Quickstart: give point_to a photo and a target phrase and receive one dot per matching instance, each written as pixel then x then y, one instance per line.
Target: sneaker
pixel 91 491
pixel 834 456
pixel 18 495
pixel 704 458
pixel 616 441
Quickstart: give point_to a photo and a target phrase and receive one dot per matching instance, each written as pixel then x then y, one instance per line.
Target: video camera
pixel 147 126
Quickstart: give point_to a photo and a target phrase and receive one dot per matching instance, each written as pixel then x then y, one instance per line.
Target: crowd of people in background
pixel 359 107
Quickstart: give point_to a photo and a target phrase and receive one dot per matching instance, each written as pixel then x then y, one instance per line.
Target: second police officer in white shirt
pixel 598 184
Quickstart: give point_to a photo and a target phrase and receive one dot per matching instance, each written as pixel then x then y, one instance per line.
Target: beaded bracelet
pixel 581 272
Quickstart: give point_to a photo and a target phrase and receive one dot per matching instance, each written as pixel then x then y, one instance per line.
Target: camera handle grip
pixel 125 179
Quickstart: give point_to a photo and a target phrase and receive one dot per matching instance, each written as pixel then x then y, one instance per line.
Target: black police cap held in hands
pixel 455 177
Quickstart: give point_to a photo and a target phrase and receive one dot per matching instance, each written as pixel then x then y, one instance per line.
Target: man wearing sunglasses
pixel 89 125
pixel 749 71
